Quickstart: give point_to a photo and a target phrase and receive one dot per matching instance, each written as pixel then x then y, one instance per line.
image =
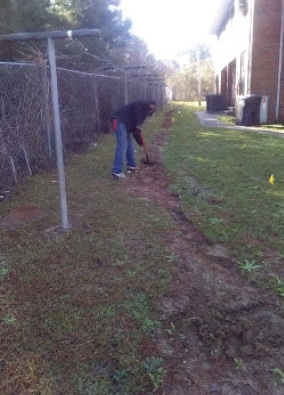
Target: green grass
pixel 222 179
pixel 229 119
pixel 248 266
pixel 276 127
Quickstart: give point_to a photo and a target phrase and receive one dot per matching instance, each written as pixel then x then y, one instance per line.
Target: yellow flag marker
pixel 272 179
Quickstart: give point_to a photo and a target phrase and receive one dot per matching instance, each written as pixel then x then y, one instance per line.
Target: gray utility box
pixel 263 110
pixel 251 110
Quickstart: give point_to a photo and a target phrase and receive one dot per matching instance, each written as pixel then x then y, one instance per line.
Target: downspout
pixel 280 64
pixel 249 58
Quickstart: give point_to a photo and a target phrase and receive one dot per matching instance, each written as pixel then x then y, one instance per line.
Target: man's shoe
pixel 132 169
pixel 118 176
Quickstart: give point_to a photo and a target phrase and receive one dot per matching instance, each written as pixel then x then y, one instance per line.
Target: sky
pixel 170 27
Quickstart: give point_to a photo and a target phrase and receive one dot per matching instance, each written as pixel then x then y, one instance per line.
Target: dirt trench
pixel 222 335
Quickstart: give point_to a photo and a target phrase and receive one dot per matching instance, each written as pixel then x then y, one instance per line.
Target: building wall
pixel 234 38
pixel 231 46
pixel 251 39
pixel 265 53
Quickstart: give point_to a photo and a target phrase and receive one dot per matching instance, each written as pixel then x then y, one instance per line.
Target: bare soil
pixel 223 335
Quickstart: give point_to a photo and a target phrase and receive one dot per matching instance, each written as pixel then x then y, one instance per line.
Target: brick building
pixel 249 54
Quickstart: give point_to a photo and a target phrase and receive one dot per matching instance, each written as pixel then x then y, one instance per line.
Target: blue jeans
pixel 124 148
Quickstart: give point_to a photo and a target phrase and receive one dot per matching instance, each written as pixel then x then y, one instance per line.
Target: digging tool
pixel 138 137
pixel 146 161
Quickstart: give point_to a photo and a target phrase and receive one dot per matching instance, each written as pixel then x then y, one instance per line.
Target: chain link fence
pixel 86 102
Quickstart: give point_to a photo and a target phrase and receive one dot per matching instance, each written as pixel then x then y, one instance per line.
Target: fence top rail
pixel 52 34
pixel 34 64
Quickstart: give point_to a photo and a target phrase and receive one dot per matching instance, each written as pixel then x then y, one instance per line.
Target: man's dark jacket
pixel 133 114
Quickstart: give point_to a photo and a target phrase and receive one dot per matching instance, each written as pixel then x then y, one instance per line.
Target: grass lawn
pixel 222 178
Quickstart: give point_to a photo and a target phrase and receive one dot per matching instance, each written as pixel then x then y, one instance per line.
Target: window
pixel 243 6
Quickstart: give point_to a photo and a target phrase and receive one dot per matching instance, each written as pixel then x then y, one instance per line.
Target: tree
pixel 22 16
pixel 41 15
pixel 94 14
pixel 196 76
pixel 116 46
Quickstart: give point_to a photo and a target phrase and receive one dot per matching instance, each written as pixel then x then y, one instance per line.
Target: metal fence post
pixel 57 130
pixel 54 96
